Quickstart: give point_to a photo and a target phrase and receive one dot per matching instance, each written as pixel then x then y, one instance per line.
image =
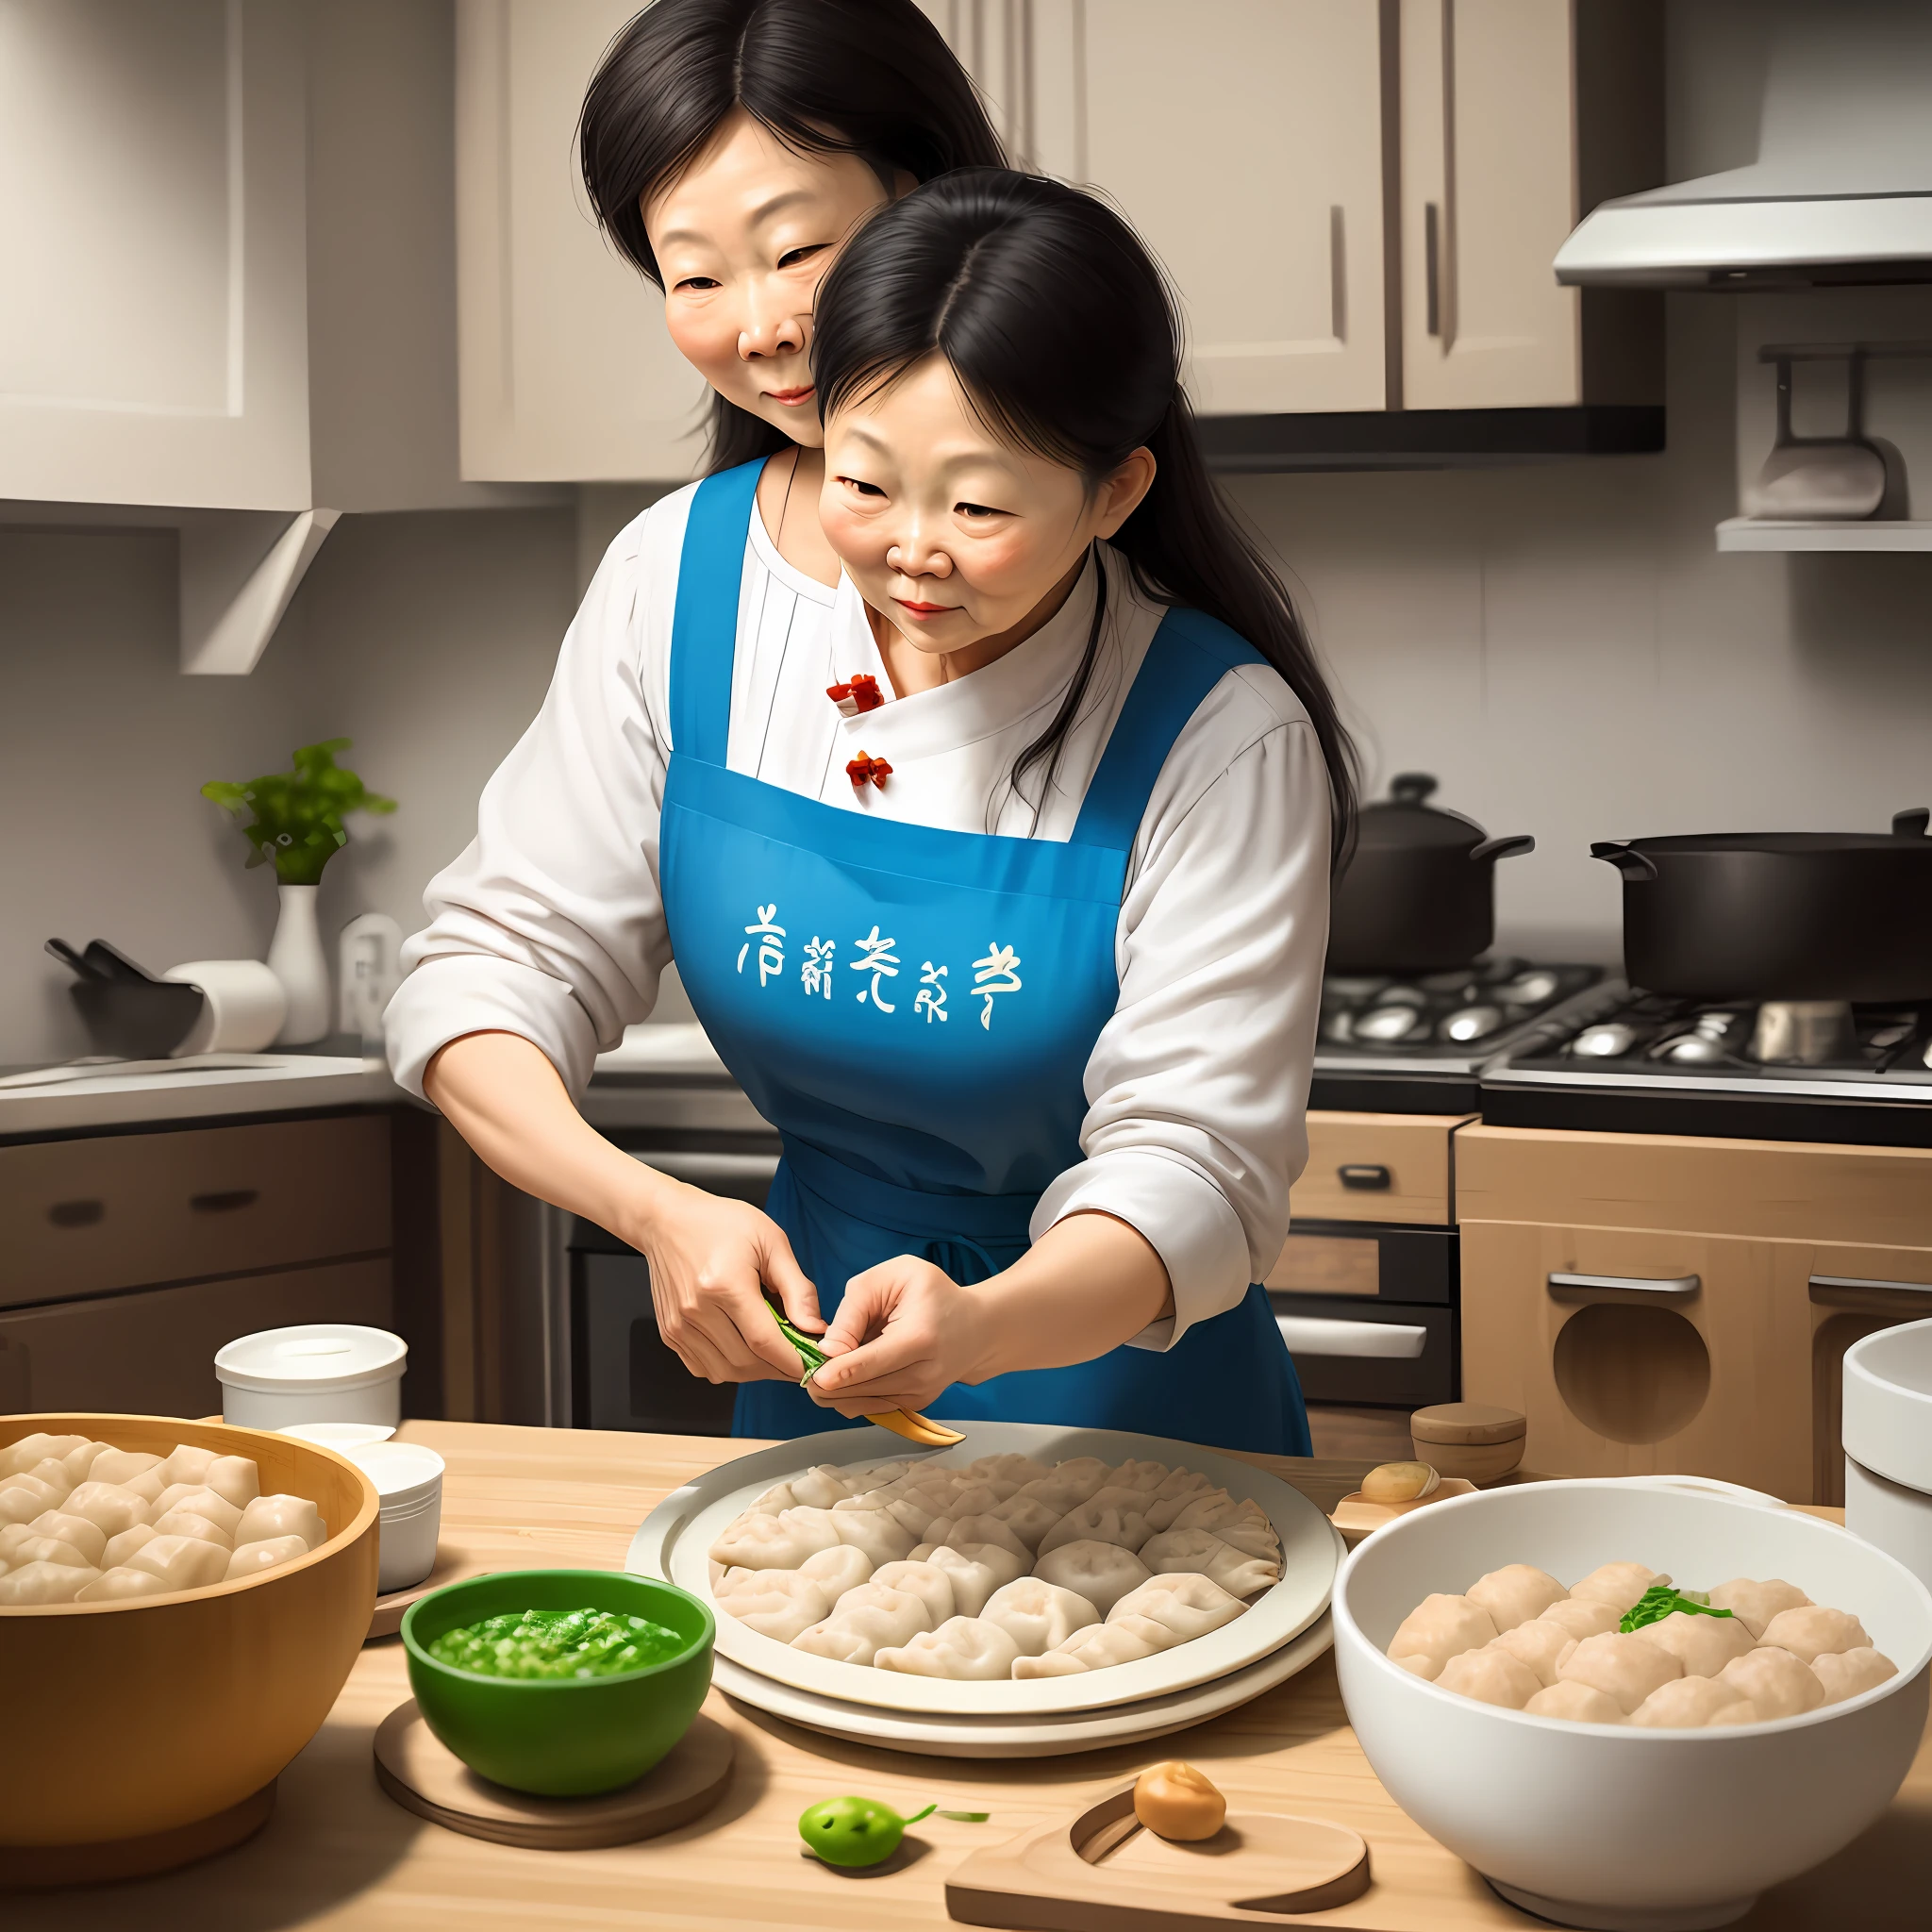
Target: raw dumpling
pixel 966 1648
pixel 1094 1648
pixel 1036 1614
pixel 118 1586
pixel 199 1500
pixel 926 1581
pixel 984 1529
pixel 1102 1572
pixel 977 1498
pixel 1426 1668
pixel 911 1514
pixel 1244 1523
pixel 18 1458
pixel 1027 1517
pixel 882 1538
pixel 1202 1551
pixel 774 1502
pixel 1847 1673
pixel 1515 1594
pixel 186 1522
pixel 1011 1468
pixel 1538 1643
pixel 1757 1604
pixel 864 1621
pixel 45 1583
pixel 49 1549
pixel 1070 1484
pixel 1579 1702
pixel 1189 1605
pixel 975 1573
pixel 1617 1584
pixel 1145 1476
pixel 1812 1631
pixel 840 1569
pixel 820 1488
pixel 1779 1684
pixel 120 1467
pixel 87 1537
pixel 1625 1668
pixel 25 1497
pixel 269 1516
pixel 880 1473
pixel 235 1479
pixel 753 1542
pixel 122 1546
pixel 777 1603
pixel 251 1559
pixel 1704 1645
pixel 188 1464
pixel 11 1537
pixel 1442 1626
pixel 1583 1616
pixel 1693 1704
pixel 107 1504
pixel 182 1562
pixel 1491 1676
pixel 1182 1487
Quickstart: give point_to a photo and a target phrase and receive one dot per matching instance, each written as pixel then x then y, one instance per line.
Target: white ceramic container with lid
pixel 1607 1826
pixel 1887 1430
pixel 409 1480
pixel 317 1371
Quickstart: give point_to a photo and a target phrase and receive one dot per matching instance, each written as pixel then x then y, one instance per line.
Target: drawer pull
pixel 1869 1281
pixel 1583 1288
pixel 1364 1177
pixel 226 1203
pixel 77 1213
pixel 1319 1334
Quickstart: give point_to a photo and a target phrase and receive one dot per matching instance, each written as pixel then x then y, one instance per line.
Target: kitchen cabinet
pixel 567 371
pixel 1392 1167
pixel 1655 1303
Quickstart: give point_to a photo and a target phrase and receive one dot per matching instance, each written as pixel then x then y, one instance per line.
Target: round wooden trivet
pixel 453 1565
pixel 423 1776
pixel 37 1867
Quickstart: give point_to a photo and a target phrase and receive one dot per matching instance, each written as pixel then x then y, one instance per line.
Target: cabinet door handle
pixel 1583 1288
pixel 1337 274
pixel 1432 265
pixel 1358 1340
pixel 77 1213
pixel 1365 1177
pixel 1869 1281
pixel 225 1202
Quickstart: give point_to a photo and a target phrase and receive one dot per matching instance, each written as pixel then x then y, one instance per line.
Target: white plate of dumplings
pixel 1017 1574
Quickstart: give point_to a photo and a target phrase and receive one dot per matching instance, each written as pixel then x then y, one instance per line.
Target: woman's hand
pixel 905 1331
pixel 711 1258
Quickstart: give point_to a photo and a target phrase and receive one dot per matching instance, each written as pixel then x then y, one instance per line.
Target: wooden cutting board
pixel 1103 1872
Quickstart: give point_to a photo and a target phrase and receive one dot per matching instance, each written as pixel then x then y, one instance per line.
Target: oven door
pixel 1369 1312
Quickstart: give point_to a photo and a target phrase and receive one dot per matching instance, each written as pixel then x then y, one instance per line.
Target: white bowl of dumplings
pixel 1008 1583
pixel 1567 1805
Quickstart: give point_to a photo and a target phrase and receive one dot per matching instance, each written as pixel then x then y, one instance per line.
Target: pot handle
pixel 1626 859
pixel 1502 849
pixel 1411 788
pixel 1911 825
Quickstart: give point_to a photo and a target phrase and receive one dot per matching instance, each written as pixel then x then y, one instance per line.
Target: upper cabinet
pixel 153 333
pixel 568 372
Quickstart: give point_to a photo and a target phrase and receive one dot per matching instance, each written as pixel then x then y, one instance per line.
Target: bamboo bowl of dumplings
pixel 1611 1825
pixel 132 1725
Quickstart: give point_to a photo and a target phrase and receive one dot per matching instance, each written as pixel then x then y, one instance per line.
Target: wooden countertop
pixel 337 1854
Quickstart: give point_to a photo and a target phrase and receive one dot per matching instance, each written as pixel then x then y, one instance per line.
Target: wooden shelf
pixel 1823 533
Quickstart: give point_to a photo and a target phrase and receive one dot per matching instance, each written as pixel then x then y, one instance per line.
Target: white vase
pixel 295 958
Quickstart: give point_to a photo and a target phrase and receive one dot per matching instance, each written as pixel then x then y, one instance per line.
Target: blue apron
pixel 913 1009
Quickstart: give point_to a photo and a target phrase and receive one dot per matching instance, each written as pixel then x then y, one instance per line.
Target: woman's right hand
pixel 711 1258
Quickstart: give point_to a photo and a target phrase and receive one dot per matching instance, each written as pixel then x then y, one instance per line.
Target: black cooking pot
pixel 1419 891
pixel 1779 915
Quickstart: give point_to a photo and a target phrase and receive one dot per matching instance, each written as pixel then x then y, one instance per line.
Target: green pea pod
pixel 854 1833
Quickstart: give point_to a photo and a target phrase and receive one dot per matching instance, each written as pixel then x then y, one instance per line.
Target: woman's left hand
pixel 905 1331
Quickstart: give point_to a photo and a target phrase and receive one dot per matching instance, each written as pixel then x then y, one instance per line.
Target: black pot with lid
pixel 1418 894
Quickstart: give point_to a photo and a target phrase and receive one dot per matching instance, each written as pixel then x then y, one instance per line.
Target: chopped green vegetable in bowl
pixel 587 1643
pixel 1660 1600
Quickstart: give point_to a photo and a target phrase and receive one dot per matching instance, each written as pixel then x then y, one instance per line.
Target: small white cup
pixel 243 1005
pixel 409 1480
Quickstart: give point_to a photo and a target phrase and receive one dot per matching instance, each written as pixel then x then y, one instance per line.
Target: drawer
pixel 93 1216
pixel 153 1351
pixel 1377 1167
pixel 1360 1261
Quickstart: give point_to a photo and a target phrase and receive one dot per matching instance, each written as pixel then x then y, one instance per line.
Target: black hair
pixel 868 77
pixel 1060 328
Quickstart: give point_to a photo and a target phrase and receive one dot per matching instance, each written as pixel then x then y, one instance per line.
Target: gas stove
pixel 1392 1044
pixel 1625 1060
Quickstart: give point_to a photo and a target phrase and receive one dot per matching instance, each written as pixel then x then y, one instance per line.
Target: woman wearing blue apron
pixel 1034 1022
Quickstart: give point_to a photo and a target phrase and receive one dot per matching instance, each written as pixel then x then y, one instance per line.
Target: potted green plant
pixel 296 824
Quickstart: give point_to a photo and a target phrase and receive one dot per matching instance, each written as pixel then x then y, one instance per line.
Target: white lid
pixel 402 1472
pixel 343 1436
pixel 312 1357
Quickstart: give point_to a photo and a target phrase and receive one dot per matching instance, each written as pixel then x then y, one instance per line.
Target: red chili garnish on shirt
pixel 859 770
pixel 838 693
pixel 880 772
pixel 865 691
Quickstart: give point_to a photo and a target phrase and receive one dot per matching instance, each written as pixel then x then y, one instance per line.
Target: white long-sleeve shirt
pixel 551 925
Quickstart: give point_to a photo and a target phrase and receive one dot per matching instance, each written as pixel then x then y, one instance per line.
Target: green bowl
pixel 560 1738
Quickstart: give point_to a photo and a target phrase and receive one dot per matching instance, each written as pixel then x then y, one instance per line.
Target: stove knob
pixel 1386 1024
pixel 1695 1049
pixel 1605 1042
pixel 1529 990
pixel 1471 1023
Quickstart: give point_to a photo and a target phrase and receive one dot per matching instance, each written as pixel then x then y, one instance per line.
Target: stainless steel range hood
pixel 1840 191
